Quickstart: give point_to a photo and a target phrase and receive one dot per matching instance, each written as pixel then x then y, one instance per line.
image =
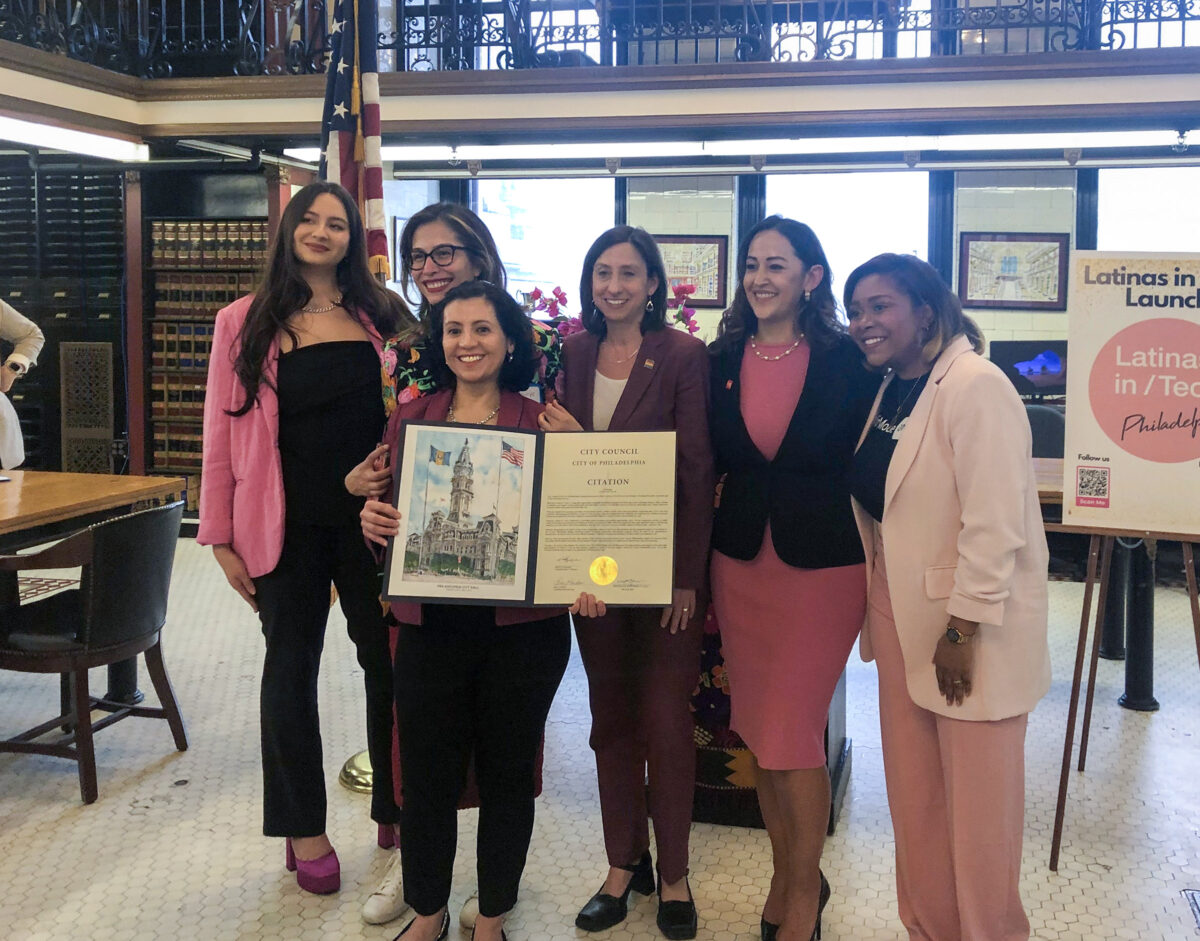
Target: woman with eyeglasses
pixel 441 247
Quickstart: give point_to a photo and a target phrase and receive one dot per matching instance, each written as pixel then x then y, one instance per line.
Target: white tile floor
pixel 173 848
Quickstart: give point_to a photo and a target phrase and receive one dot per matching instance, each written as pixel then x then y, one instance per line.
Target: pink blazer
pixel 962 532
pixel 516 411
pixel 241 489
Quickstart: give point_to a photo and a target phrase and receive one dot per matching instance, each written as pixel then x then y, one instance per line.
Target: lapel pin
pixel 648 364
pixel 728 384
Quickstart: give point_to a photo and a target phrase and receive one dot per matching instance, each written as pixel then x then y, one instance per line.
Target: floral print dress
pixel 406 373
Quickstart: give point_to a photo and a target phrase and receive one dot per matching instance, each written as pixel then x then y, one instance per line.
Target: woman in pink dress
pixel 789 397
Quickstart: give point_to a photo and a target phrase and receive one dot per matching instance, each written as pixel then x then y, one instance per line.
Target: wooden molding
pixel 59 68
pixel 28 110
pixel 754 75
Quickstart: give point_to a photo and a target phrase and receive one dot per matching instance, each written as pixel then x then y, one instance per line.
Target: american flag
pixel 350 127
pixel 514 456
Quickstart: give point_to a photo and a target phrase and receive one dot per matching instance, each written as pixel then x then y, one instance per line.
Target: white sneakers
pixel 387 902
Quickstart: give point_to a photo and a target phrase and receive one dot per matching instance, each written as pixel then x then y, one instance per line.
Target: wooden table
pixel 37 501
pixel 39 506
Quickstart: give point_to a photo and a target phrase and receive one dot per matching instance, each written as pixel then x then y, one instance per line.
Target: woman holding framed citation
pixel 470 679
pixel 628 371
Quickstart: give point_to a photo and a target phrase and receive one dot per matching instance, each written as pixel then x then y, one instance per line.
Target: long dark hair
pixel 925 288
pixel 816 318
pixel 471 232
pixel 283 290
pixel 520 365
pixel 656 315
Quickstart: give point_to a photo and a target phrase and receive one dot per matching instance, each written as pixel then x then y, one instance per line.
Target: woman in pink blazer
pixel 947 507
pixel 293 401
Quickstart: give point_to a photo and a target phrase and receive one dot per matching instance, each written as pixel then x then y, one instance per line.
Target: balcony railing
pixel 155 38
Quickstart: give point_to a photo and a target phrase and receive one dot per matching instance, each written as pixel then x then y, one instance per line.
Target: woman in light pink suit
pixel 947 507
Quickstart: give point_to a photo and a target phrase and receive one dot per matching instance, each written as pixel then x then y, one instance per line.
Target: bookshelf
pixel 196 267
pixel 63 267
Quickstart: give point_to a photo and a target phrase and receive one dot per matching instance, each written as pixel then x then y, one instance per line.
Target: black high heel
pixel 603 910
pixel 767 929
pixel 442 935
pixel 677 920
pixel 822 899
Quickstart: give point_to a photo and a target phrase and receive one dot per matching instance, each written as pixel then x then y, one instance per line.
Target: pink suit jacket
pixel 241 489
pixel 516 411
pixel 962 533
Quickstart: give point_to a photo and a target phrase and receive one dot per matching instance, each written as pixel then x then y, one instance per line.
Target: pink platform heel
pixel 320 876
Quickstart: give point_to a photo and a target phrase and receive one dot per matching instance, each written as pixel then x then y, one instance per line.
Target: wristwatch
pixel 955 636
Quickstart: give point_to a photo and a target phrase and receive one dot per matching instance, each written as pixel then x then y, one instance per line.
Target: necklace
pixel 309 309
pixel 916 384
pixel 618 362
pixel 490 415
pixel 774 359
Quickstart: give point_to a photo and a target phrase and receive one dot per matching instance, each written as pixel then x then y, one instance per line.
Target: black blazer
pixel 805 489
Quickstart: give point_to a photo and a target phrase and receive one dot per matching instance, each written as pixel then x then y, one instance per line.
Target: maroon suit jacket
pixel 516 411
pixel 667 391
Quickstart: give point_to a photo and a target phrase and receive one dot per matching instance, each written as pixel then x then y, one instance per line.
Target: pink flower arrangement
pixel 678 312
pixel 553 308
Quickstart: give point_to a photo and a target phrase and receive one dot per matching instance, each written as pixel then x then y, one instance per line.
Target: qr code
pixel 1091 486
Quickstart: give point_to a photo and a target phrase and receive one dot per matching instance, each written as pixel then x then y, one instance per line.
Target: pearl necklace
pixel 492 414
pixel 308 309
pixel 774 359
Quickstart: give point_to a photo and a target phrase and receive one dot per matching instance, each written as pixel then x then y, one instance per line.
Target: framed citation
pixel 514 517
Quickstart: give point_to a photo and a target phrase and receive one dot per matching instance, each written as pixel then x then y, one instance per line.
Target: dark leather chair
pixel 1049 427
pixel 117 612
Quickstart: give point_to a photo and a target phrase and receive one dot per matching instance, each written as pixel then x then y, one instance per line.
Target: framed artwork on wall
pixel 701 260
pixel 1013 270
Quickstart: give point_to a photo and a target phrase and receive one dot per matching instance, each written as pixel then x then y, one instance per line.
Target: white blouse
pixel 605 397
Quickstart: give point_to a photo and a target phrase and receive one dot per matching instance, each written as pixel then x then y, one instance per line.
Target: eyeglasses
pixel 442 255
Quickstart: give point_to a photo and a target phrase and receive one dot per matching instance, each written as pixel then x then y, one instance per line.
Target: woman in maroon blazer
pixel 629 372
pixel 470 680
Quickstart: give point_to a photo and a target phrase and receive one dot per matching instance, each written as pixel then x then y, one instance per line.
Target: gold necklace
pixel 492 414
pixel 774 359
pixel 308 309
pixel 618 362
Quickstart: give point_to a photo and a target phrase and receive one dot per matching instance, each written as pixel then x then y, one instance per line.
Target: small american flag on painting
pixel 514 456
pixel 350 143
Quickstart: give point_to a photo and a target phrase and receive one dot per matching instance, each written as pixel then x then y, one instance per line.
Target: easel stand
pixel 1100 551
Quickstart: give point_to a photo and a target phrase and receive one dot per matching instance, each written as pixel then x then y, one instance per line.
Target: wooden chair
pixel 116 613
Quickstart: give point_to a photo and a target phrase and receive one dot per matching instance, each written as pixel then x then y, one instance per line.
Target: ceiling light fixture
pixel 48 137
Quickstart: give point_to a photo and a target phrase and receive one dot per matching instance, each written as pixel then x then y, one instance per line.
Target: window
pixel 856 215
pixel 543 228
pixel 1149 209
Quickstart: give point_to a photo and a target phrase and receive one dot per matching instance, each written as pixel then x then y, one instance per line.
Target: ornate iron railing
pixel 155 38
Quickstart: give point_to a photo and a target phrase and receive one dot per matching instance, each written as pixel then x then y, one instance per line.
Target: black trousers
pixel 465 685
pixel 293 604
